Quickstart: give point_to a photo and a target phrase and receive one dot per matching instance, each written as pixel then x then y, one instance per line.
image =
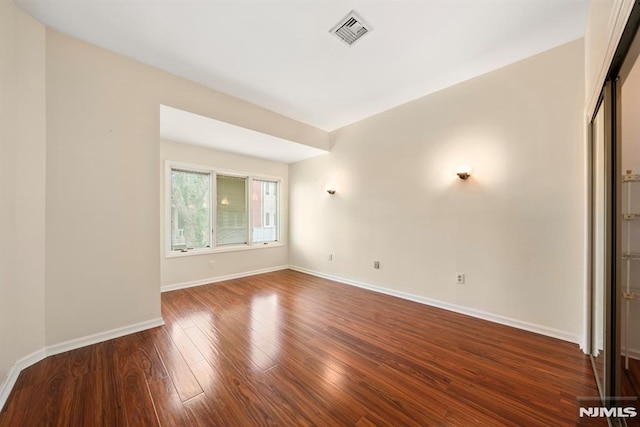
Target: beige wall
pixel 22 186
pixel 103 171
pixel 515 228
pixel 182 270
pixel 605 24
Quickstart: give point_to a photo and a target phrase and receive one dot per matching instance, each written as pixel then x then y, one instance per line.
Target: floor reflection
pixel 265 330
pixel 333 375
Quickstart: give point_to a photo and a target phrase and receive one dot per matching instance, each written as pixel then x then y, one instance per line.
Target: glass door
pixel 615 230
pixel 628 296
pixel 601 242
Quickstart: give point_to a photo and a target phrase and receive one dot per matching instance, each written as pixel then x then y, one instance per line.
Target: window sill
pixel 223 249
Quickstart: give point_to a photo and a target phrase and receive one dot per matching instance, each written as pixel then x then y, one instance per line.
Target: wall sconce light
pixel 463 171
pixel 331 189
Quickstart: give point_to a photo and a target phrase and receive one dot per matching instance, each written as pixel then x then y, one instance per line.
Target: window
pixel 231 218
pixel 265 207
pixel 212 210
pixel 190 210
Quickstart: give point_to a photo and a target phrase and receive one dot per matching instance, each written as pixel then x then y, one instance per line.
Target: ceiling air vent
pixel 351 28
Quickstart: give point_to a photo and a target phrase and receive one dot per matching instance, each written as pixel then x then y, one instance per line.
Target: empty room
pixel 329 213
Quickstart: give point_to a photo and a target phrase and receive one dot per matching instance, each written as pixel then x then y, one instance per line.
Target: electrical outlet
pixel 376 264
pixel 459 278
pixel 330 257
pixel 212 263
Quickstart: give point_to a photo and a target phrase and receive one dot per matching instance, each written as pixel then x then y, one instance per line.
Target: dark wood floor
pixel 631 378
pixel 631 387
pixel 290 349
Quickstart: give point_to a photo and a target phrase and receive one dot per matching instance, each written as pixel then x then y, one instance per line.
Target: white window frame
pixel 214 172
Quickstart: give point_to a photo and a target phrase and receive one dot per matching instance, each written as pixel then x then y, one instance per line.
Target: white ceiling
pixel 189 128
pixel 279 54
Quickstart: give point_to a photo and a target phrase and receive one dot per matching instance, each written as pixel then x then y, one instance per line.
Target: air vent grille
pixel 351 28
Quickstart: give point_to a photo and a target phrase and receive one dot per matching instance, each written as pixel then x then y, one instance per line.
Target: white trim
pixel 634 353
pixel 103 336
pixel 620 13
pixel 531 327
pixel 12 375
pixel 200 282
pixel 36 356
pixel 585 343
pixel 222 249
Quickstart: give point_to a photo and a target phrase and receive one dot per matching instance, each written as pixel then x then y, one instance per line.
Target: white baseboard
pixel 102 336
pixel 531 327
pixel 201 282
pixel 12 375
pixel 35 357
pixel 633 353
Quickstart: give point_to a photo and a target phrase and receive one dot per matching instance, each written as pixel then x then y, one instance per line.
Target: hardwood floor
pixel 631 387
pixel 631 378
pixel 290 349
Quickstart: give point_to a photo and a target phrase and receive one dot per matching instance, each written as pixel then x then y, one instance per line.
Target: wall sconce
pixel 331 189
pixel 463 171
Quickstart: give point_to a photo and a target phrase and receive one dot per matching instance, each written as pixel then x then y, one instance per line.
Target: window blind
pixel 231 206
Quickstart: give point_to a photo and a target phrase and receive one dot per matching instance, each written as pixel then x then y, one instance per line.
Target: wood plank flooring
pixel 290 349
pixel 631 387
pixel 631 378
